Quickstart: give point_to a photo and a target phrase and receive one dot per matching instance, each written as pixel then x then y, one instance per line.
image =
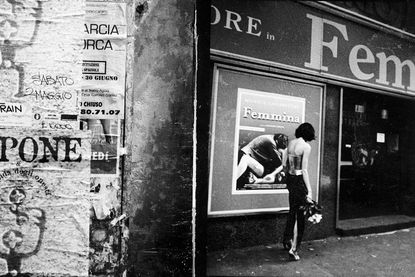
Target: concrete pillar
pixel 159 136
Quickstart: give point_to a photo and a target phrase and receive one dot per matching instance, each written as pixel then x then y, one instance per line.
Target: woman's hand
pixel 268 179
pixel 309 198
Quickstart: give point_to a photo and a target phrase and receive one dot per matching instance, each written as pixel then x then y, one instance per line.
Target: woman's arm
pixel 304 166
pixel 270 178
pixel 275 172
pixel 284 153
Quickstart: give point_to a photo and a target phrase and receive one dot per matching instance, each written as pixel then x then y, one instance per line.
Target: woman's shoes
pixel 293 255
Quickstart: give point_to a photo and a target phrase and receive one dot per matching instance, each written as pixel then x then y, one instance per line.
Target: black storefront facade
pixel 276 64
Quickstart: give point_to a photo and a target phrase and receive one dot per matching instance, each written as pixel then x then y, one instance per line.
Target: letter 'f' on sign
pixel 317 43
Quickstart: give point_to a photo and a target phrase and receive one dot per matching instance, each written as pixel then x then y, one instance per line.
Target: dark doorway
pixel 377 153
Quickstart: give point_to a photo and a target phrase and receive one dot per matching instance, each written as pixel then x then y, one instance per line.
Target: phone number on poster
pixel 95 111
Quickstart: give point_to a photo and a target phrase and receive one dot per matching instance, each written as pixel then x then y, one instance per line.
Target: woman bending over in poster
pixel 264 156
pixel 298 184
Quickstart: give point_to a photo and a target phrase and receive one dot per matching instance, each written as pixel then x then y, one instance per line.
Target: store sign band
pixel 359 54
pixel 319 42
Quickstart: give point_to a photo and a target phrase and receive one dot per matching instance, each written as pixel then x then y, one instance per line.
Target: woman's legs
pixel 300 227
pixel 295 236
pixel 295 220
pixel 293 251
pixel 289 229
pixel 242 166
pixel 298 232
pixel 247 161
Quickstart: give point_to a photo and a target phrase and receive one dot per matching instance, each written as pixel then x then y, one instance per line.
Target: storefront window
pixel 377 154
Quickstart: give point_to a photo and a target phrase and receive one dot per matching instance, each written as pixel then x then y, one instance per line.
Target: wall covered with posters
pixel 62 79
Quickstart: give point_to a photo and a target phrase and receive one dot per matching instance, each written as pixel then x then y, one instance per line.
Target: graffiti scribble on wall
pixel 47 85
pixel 44 217
pixel 19 22
pixel 28 221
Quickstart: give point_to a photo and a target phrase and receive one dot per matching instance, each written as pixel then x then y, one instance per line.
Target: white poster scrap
pixel 104 60
pixel 40 56
pixel 44 203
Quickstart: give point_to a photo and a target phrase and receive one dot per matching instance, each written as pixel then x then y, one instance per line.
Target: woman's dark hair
pixel 281 140
pixel 305 131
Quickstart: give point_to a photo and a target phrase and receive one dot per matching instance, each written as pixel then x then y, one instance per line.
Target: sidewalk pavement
pixel 386 254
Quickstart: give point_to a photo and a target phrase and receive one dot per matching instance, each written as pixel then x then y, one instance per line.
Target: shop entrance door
pixel 377 151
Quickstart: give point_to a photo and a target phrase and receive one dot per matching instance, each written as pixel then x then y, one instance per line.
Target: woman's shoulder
pixel 298 146
pixel 292 142
pixel 304 146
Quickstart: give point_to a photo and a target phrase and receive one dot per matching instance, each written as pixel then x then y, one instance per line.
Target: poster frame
pixel 215 80
pixel 239 127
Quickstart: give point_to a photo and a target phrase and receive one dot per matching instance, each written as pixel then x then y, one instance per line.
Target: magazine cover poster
pixel 263 118
pixel 104 145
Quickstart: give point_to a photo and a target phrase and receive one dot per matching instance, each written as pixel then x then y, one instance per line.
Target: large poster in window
pixel 250 108
pixel 262 119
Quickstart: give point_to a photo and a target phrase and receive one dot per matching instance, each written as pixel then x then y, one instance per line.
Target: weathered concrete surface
pixel 50 223
pixel 158 196
pixel 388 254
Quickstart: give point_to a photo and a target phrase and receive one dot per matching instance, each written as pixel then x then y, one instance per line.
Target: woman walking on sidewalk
pixel 299 188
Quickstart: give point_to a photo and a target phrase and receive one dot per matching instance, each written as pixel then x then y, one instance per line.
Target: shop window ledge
pixel 376 224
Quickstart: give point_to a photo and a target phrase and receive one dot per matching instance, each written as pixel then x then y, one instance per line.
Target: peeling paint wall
pixel 159 193
pixel 102 112
pixel 62 94
pixel 43 207
pixel 70 203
